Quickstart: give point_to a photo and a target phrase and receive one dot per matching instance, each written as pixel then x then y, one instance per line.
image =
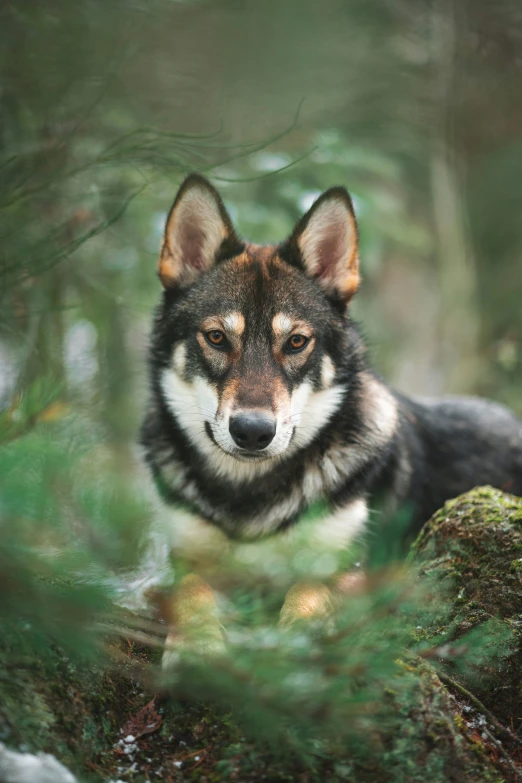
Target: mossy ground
pixel 433 731
pixel 198 742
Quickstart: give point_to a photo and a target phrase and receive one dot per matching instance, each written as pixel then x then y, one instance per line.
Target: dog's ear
pixel 325 244
pixel 198 230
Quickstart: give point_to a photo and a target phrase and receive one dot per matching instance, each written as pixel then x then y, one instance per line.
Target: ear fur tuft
pixel 197 229
pixel 326 244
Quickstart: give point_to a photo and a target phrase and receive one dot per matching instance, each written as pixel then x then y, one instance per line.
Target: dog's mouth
pixel 250 456
pixel 243 455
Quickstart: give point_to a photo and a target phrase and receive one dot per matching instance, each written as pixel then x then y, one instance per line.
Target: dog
pixel 264 409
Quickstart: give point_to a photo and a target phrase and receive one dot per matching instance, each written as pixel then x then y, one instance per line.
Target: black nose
pixel 252 431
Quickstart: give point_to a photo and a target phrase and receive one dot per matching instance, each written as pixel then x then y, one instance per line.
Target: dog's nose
pixel 252 431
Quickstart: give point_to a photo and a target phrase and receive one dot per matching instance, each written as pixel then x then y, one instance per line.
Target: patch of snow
pixel 129 746
pixel 30 768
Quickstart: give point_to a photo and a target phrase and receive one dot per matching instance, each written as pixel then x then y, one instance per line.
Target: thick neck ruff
pixel 338 467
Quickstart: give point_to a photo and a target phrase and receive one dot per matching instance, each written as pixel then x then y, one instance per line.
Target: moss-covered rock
pixel 474 546
pixel 429 740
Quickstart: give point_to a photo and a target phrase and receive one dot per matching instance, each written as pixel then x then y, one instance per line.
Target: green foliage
pixel 62 529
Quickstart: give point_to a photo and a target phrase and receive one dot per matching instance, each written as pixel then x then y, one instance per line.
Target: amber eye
pixel 297 342
pixel 216 338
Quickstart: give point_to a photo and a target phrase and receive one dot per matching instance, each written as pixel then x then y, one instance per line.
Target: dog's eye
pixel 216 338
pixel 297 342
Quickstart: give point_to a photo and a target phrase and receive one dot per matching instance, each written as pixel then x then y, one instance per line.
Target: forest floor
pixel 113 723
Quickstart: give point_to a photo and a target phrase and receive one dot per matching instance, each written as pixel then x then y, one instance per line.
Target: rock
pixel 473 545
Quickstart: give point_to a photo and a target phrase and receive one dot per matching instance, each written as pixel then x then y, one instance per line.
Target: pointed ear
pixel 326 243
pixel 198 229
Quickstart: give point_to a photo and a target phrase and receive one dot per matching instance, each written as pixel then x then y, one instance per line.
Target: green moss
pixel 50 705
pixel 472 546
pixel 428 741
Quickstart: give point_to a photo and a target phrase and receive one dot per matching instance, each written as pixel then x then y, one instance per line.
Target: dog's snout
pixel 252 431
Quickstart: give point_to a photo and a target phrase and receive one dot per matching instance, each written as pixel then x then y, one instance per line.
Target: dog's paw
pixel 351 583
pixel 306 601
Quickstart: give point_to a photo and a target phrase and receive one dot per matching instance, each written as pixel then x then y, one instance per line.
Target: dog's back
pixel 453 444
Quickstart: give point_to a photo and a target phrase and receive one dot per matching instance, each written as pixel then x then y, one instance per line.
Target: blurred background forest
pixel 416 107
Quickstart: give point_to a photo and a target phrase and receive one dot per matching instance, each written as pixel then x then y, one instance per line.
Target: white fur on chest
pixel 319 539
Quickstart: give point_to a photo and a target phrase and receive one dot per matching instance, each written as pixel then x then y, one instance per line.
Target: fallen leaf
pixel 146 721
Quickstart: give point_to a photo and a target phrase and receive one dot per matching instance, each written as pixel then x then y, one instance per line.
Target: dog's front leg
pixel 333 533
pixel 315 601
pixel 191 609
pixel 193 620
pixel 306 601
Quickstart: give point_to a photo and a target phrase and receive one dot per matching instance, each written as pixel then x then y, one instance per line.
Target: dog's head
pixel 249 340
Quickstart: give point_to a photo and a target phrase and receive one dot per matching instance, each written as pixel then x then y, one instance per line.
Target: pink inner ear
pixel 192 241
pixel 329 253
